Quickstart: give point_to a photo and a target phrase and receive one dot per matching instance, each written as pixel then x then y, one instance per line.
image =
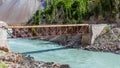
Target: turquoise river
pixel 51 52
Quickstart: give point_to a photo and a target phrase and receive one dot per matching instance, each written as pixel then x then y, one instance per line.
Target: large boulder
pixel 3 37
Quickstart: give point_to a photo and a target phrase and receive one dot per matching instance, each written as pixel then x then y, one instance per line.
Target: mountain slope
pixel 15 12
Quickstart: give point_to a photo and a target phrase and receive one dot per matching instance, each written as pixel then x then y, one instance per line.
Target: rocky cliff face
pixel 16 12
pixel 2 1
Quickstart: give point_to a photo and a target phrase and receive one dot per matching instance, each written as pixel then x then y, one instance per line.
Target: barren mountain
pixel 16 12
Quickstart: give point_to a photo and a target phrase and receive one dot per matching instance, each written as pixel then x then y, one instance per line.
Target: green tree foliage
pixel 73 11
pixel 106 7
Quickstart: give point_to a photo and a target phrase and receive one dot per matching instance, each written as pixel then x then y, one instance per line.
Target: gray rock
pixel 65 66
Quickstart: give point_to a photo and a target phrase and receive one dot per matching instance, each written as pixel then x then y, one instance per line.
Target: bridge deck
pixel 50 30
pixel 43 26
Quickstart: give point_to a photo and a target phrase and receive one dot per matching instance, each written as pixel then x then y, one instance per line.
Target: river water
pixel 51 52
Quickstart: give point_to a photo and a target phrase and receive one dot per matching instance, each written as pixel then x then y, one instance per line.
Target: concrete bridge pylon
pixel 3 37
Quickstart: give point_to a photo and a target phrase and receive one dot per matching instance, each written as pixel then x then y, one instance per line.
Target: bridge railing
pixel 41 26
pixel 51 30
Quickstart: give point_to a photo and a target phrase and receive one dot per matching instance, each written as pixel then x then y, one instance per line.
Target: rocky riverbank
pixel 16 60
pixel 107 41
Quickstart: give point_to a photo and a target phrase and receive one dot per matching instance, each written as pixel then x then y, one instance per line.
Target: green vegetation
pixel 74 11
pixel 119 37
pixel 3 65
pixel 108 28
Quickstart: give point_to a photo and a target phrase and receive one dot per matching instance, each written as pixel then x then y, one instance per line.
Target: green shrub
pixel 3 65
pixel 108 28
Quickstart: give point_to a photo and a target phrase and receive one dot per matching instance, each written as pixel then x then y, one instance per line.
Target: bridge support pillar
pixel 3 37
pixel 89 37
pixel 86 36
pixel 96 31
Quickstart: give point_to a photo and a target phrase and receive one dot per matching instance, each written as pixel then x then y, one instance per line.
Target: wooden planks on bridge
pixel 43 26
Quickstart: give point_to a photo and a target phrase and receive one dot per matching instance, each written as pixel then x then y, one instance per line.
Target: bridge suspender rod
pixel 42 26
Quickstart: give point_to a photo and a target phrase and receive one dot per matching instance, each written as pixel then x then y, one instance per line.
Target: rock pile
pixel 13 60
pixel 107 42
